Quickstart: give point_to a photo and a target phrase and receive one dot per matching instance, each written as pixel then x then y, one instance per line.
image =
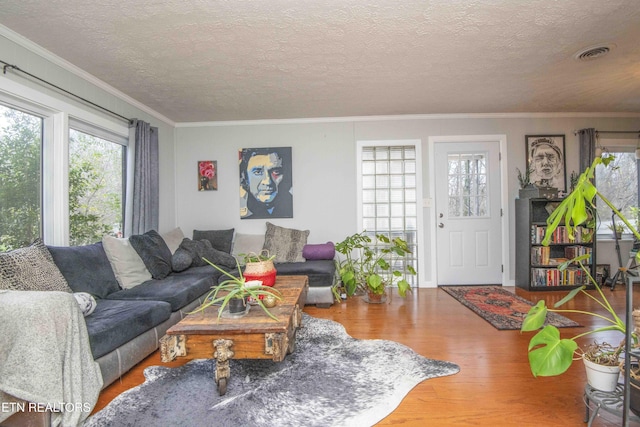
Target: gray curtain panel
pixel 587 141
pixel 145 200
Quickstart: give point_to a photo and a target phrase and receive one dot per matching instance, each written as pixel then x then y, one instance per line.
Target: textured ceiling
pixel 207 60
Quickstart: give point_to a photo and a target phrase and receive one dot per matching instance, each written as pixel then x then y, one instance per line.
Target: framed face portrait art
pixel 546 160
pixel 207 175
pixel 265 183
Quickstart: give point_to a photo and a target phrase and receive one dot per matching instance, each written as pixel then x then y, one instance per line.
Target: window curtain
pixel 587 142
pixel 142 194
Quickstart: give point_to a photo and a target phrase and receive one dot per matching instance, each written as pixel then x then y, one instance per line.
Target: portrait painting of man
pixel 546 160
pixel 265 183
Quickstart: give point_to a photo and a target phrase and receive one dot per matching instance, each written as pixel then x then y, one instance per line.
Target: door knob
pixel 441 225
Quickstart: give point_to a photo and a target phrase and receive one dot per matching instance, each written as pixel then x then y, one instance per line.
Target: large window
pixel 20 177
pixel 390 197
pixel 618 182
pixel 95 188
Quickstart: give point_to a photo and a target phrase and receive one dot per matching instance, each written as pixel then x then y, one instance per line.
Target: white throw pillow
pixel 127 265
pixel 173 239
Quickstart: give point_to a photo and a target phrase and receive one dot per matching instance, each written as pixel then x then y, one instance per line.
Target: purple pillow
pixel 319 251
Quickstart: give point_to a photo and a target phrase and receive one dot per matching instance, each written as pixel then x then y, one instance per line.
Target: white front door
pixel 468 213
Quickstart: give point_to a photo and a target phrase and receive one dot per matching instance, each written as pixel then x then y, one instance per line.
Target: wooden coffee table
pixel 255 336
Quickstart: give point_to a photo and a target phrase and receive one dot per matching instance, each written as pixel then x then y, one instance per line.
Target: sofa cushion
pixel 320 272
pixel 127 265
pixel 154 253
pixel 173 239
pixel 246 243
pixel 319 251
pixel 199 250
pixel 31 269
pixel 220 239
pixel 285 243
pixel 115 322
pixel 177 289
pixel 86 268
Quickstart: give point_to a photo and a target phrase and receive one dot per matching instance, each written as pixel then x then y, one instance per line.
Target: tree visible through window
pixel 95 188
pixel 618 182
pixel 20 178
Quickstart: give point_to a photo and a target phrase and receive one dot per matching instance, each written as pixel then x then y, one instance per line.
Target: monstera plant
pixel 549 353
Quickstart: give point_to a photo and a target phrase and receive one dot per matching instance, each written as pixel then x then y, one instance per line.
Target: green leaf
pixel 403 287
pixel 535 318
pixel 569 296
pixel 548 354
pixel 374 281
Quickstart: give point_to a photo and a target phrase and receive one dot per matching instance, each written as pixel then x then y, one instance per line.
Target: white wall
pixel 324 155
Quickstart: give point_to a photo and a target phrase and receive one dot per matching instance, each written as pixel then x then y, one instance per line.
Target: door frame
pixel 504 198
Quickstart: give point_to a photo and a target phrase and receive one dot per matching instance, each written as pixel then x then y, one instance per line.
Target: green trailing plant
pixel 236 287
pixel 368 264
pixel 549 353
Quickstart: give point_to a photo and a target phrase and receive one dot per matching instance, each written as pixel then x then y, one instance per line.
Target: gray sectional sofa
pixel 126 324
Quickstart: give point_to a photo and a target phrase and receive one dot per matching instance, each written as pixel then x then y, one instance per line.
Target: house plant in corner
pixel 236 291
pixel 370 265
pixel 549 354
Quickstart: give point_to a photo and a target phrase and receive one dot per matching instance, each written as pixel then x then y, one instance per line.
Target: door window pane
pixel 95 188
pixel 20 178
pixel 467 177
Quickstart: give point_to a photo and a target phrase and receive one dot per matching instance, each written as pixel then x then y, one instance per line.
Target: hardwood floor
pixel 494 386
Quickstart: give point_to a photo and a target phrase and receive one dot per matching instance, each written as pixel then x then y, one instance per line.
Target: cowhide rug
pixel 331 379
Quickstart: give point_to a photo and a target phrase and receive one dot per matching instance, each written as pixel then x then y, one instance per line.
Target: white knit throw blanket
pixel 45 356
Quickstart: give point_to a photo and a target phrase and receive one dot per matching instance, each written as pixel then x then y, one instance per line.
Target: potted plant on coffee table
pixel 236 290
pixel 371 265
pixel 260 267
pixel 549 354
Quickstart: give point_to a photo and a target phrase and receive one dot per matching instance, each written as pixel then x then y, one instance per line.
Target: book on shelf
pixel 550 277
pixel 560 234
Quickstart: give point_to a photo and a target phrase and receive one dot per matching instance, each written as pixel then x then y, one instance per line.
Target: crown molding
pixel 67 66
pixel 403 117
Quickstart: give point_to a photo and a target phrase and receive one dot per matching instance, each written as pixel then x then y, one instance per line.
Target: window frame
pixel 58 116
pixel 417 144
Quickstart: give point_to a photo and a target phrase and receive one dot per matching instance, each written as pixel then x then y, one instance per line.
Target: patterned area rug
pixel 503 309
pixel 331 379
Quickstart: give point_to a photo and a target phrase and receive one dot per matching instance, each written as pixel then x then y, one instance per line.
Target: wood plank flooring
pixel 494 386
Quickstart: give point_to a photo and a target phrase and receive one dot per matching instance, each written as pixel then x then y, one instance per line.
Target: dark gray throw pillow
pixel 199 249
pixel 182 259
pixel 220 239
pixel 154 253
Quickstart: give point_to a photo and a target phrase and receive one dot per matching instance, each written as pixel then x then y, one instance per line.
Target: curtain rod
pixel 611 131
pixel 6 66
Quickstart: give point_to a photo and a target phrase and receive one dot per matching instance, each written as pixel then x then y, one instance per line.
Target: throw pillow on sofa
pixel 285 243
pixel 220 239
pixel 195 251
pixel 127 265
pixel 154 253
pixel 31 269
pixel 173 239
pixel 319 251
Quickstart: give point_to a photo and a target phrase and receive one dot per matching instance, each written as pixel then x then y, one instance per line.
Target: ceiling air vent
pixel 593 52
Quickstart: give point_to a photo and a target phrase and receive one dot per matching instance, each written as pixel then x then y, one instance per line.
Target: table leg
pixel 222 353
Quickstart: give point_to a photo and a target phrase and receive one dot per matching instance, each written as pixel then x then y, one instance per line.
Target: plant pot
pixel 237 305
pixel 264 271
pixel 373 298
pixel 600 377
pixel 634 401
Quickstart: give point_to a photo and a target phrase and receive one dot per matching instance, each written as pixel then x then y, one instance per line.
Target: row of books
pixel 561 235
pixel 541 255
pixel 544 277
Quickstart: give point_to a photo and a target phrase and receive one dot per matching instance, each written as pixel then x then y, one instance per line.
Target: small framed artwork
pixel 546 161
pixel 602 273
pixel 207 175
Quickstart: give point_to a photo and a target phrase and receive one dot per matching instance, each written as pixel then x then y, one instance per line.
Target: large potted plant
pixel 549 353
pixel 371 265
pixel 236 290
